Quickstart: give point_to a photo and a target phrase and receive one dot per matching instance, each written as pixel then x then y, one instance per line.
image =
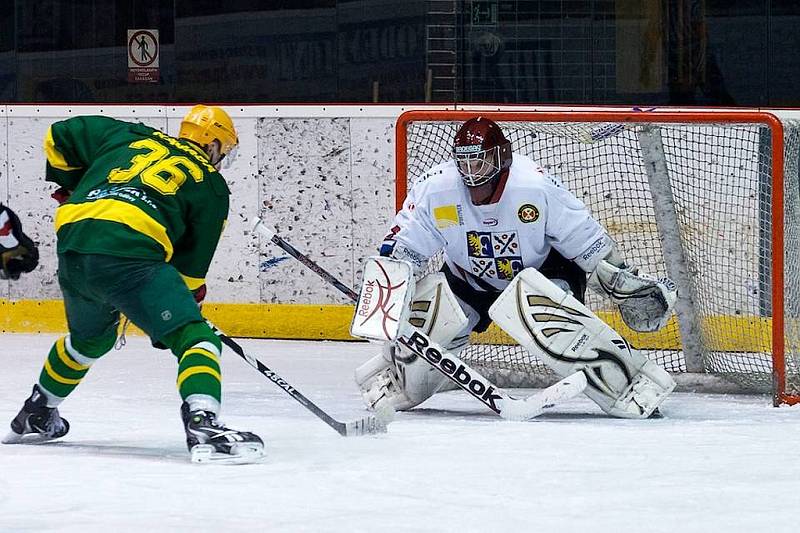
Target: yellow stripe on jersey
pixel 58 377
pixel 116 211
pixel 61 350
pixel 189 372
pixel 54 157
pixel 193 283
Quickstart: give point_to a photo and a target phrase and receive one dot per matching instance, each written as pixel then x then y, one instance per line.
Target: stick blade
pixel 372 424
pixel 536 404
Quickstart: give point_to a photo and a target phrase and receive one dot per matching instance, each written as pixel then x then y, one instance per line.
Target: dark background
pixel 639 52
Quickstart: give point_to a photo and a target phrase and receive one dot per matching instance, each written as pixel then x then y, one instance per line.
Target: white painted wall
pixel 323 176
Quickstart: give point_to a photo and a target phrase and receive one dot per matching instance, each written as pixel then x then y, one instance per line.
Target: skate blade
pixel 241 455
pixel 27 438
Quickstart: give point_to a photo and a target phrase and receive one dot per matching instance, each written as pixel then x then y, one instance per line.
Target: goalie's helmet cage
pixel 481 151
pixel 205 124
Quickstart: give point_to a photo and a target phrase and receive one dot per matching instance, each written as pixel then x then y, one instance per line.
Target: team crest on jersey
pixel 528 213
pixel 494 254
pixel 479 244
pixel 447 216
pixel 508 267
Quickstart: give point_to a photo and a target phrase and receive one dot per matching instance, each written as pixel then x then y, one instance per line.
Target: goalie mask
pixel 481 151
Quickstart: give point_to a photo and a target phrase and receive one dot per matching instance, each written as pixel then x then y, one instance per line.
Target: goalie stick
pixel 367 425
pixel 449 364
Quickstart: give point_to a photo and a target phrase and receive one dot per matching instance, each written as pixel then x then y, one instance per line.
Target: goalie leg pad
pixel 380 382
pixel 398 378
pixel 397 375
pixel 568 337
pixel 647 391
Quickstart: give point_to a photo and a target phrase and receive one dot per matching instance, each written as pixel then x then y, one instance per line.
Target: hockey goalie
pixel 519 250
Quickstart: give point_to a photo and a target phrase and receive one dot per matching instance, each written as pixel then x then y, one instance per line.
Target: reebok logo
pixel 593 249
pixel 366 298
pixel 581 341
pixel 419 344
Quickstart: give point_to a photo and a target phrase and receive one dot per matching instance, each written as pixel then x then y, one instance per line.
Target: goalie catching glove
pixel 18 253
pixel 645 302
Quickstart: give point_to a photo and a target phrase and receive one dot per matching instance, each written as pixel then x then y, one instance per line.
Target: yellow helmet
pixel 204 124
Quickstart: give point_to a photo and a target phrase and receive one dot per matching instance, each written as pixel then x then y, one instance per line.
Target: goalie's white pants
pixel 402 378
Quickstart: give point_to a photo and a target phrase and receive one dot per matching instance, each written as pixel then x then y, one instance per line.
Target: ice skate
pixel 209 441
pixel 36 422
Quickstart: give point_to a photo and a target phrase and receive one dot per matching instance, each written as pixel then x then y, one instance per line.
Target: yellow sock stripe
pixel 189 372
pixel 61 350
pixel 56 377
pixel 200 351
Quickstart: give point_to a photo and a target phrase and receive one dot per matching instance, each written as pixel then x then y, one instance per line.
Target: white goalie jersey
pixel 487 245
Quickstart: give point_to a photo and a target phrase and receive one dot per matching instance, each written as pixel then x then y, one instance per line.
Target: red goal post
pixel 699 195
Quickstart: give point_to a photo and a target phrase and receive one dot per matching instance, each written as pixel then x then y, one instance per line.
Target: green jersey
pixel 136 193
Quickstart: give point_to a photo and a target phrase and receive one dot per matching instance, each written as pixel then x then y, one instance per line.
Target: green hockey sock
pixel 199 371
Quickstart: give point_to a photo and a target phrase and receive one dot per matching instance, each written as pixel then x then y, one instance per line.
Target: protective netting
pixel 720 182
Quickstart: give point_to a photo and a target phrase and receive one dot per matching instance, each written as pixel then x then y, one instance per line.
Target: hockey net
pixel 708 198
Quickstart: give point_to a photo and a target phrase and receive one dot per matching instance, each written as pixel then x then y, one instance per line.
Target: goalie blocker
pixel 568 337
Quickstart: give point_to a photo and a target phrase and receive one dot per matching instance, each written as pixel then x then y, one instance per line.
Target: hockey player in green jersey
pixel 141 217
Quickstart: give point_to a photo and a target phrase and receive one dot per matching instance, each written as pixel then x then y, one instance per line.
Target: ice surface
pixel 714 464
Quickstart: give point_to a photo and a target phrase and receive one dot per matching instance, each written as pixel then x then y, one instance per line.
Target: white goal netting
pixel 691 200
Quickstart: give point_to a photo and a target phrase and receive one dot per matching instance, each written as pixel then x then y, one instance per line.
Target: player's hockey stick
pixel 363 426
pixel 262 228
pixel 450 364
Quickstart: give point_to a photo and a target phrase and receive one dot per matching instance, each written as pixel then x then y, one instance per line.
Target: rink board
pixel 323 176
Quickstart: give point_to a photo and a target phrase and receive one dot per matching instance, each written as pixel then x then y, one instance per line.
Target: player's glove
pixel 18 253
pixel 61 195
pixel 199 295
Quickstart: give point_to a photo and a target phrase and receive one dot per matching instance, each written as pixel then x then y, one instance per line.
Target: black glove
pixel 18 253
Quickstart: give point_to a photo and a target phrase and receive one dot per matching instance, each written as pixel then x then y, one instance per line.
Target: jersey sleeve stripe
pixel 116 211
pixel 193 283
pixel 54 157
